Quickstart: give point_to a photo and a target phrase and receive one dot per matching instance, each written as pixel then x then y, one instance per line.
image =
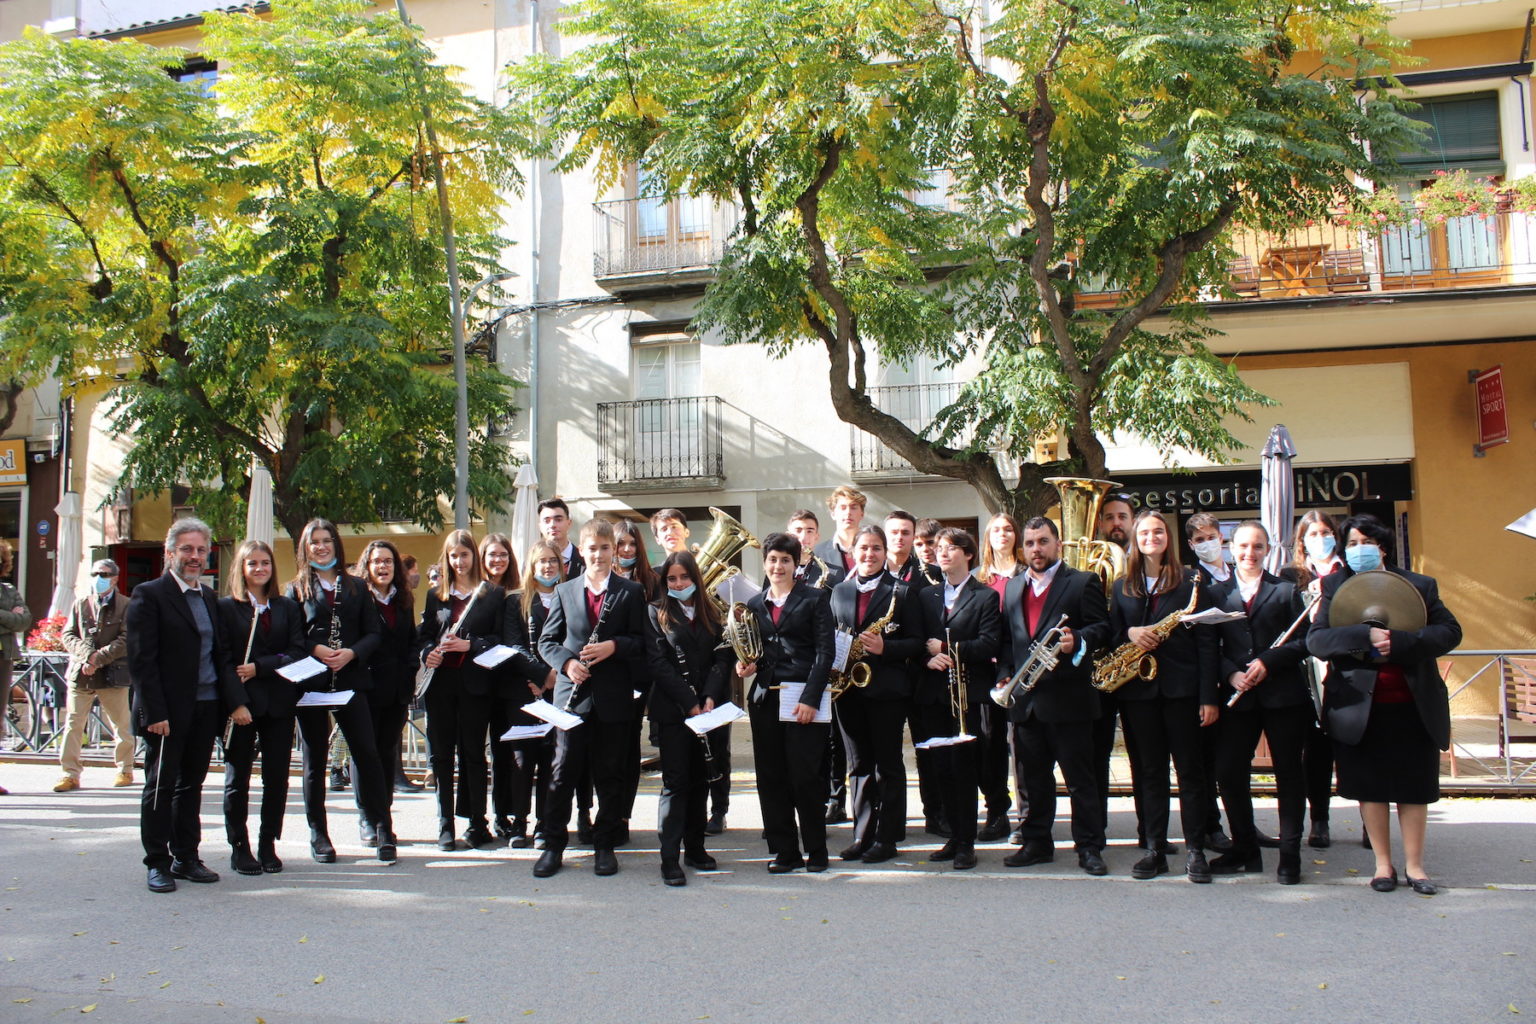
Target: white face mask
pixel 1208 551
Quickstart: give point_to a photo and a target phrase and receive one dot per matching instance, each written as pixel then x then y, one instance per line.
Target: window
pixel 199 74
pixel 667 381
pixel 1461 132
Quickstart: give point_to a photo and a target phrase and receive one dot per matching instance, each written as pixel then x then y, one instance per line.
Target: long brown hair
pixel 641 572
pixel 537 550
pixel 985 573
pixel 509 579
pixel 1299 561
pixel 670 609
pixel 305 583
pixel 237 588
pixel 446 577
pixel 1169 575
pixel 404 599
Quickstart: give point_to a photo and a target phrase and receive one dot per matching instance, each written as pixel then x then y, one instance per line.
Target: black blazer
pixel 511 677
pixel 829 552
pixel 891 669
pixel 282 643
pixel 482 627
pixel 1351 678
pixel 1186 661
pixel 975 633
pixel 709 664
pixel 578 564
pixel 1275 607
pixel 798 649
pixel 163 650
pixel 394 663
pixel 1066 693
pixel 610 690
pixel 917 574
pixel 361 631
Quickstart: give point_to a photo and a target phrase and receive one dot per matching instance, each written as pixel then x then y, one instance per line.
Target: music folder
pixel 562 720
pixel 325 698
pixel 789 696
pixel 304 668
pixel 709 721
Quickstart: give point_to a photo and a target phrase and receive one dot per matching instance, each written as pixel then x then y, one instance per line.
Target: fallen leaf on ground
pixel 303 938
pixel 1322 984
pixel 319 978
pixel 166 985
pixel 88 1009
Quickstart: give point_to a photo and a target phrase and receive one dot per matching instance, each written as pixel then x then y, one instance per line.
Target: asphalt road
pixel 473 936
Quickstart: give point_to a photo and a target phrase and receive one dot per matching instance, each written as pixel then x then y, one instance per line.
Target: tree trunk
pixel 10 396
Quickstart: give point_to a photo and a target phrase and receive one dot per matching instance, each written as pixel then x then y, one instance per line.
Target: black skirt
pixel 1395 762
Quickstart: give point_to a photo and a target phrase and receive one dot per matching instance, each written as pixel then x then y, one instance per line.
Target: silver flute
pixel 602 613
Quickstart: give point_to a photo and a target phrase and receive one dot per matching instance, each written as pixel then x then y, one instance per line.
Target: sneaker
pixel 66 784
pixel 124 778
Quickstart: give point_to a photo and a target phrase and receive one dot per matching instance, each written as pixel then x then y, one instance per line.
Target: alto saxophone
pixel 1130 661
pixel 858 673
pixel 821 580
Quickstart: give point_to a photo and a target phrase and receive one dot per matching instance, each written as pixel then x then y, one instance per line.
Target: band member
pixel 847 507
pixel 535 758
pixel 1387 707
pixel 632 563
pixel 263 631
pixel 184 687
pixel 1203 531
pixel 924 538
pixel 812 571
pixel 1053 722
pixel 1115 515
pixel 342 629
pixel 393 665
pixel 961 626
pixel 833 561
pixel 693 676
pixel 595 637
pixel 500 568
pixel 901 560
pixel 555 527
pixel 97 671
pixel 1163 715
pixel 460 620
pixel 796 628
pixel 1265 691
pixel 1114 525
pixel 670 528
pixel 1001 560
pixel 878 612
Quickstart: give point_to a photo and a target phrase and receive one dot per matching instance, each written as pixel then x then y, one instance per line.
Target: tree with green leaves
pixel 1081 140
pixel 257 267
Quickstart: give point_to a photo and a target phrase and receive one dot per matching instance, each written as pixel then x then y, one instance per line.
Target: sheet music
pixel 1211 616
pixel 298 671
pixel 495 656
pixel 709 721
pixel 325 698
pixel 562 720
pixel 942 741
pixel 842 643
pixel 737 588
pixel 789 696
pixel 527 732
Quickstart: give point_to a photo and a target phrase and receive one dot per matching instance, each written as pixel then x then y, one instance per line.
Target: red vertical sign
pixel 1492 421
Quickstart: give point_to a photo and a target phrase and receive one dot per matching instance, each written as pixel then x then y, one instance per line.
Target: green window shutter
pixel 1461 132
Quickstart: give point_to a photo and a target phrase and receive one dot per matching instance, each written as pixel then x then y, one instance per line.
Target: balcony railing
pixel 653 236
pixel 916 405
pixel 660 441
pixel 1330 258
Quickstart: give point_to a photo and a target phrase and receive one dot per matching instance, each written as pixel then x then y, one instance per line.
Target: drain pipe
pixel 533 269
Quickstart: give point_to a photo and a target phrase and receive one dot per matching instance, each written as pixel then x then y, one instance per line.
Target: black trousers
pixel 171 825
pixel 1040 747
pixel 1317 763
pixel 1286 729
pixel 877 772
pixel 604 748
pixel 457 723
pixel 355 720
pixel 504 766
pixel 929 792
pixel 632 761
pixel 1210 743
pixel 680 812
pixel 1157 730
pixel 835 762
pixel 720 789
pixel 992 758
pixel 276 734
pixel 388 734
pixel 953 769
pixel 791 780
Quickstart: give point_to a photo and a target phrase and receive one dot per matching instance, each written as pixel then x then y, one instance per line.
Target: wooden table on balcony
pixel 1292 266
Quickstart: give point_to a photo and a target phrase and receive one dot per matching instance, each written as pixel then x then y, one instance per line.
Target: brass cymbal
pixel 1377 598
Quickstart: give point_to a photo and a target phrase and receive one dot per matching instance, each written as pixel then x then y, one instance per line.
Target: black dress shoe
pixel 1318 838
pixel 160 880
pixel 1196 868
pixel 477 836
pixel 193 871
pixel 853 852
pixel 266 852
pixel 1150 866
pixel 548 863
pixel 1422 886
pixel 783 865
pixel 715 825
pixel 242 862
pixel 445 840
pixel 387 852
pixel 604 862
pixel 943 853
pixel 501 828
pixel 518 837
pixel 405 785
pixel 1266 841
pixel 836 815
pixel 938 827
pixel 1289 871
pixel 879 853
pixel 994 830
pixel 1218 841
pixel 1385 883
pixel 339 780
pixel 367 834
pixel 1235 862
pixel 1091 862
pixel 320 847
pixel 816 861
pixel 671 874
pixel 584 826
pixel 1034 851
pixel 701 861
pixel 965 858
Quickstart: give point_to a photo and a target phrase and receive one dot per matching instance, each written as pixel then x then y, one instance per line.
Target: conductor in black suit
pixel 1053 723
pixel 184 685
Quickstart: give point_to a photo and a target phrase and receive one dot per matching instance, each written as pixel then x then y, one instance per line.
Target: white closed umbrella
pixel 525 510
pixel 258 507
pixel 67 554
pixel 1277 494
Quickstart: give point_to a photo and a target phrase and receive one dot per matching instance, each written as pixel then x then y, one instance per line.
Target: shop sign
pixel 1492 418
pixel 1239 490
pixel 13 463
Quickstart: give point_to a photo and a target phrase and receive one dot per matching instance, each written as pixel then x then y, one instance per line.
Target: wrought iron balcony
pixel 916 405
pixel 659 443
pixel 645 238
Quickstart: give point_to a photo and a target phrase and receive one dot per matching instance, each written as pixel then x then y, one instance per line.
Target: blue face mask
pixel 684 594
pixel 103 584
pixel 324 566
pixel 1320 549
pixel 1363 557
pixel 628 563
pixel 547 581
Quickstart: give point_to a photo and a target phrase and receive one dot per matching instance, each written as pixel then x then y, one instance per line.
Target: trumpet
pixel 1043 656
pixel 959 700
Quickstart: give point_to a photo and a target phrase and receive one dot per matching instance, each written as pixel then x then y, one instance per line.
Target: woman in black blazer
pixel 1386 705
pixel 394 662
pixel 460 620
pixel 693 675
pixel 500 567
pixel 1264 689
pixel 542 570
pixel 795 623
pixel 341 628
pixel 1162 716
pixel 264 631
pixel 872 718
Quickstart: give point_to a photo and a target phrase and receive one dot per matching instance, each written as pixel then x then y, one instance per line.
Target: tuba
pixel 741 632
pixel 1080 501
pixel 726 540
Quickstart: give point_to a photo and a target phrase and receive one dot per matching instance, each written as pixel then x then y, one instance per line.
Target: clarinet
pixel 712 771
pixel 602 613
pixel 333 641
